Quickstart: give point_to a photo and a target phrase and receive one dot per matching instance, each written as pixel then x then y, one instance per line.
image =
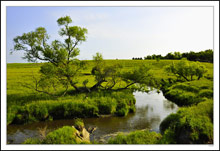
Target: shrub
pixel 122 112
pixel 64 135
pixel 182 98
pixel 78 123
pixel 32 141
pixel 172 118
pixel 206 93
pixel 107 105
pixel 122 108
pixel 132 109
pixel 185 87
pixel 189 125
pixel 188 93
pixel 11 113
pixel 186 70
pixel 44 110
pixel 102 102
pixel 136 137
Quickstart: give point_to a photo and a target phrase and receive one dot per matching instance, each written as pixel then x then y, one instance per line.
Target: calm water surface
pixel 151 109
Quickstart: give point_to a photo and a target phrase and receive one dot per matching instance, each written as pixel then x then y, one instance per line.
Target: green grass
pixel 136 137
pixel 194 121
pixel 64 135
pixel 189 93
pixel 81 106
pixel 189 125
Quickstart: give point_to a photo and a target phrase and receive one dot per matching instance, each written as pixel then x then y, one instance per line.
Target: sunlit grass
pixel 25 105
pixel 21 74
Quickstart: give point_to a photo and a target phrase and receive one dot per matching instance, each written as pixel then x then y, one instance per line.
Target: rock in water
pixel 83 134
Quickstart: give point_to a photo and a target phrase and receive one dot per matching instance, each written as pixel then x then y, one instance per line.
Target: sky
pixel 118 32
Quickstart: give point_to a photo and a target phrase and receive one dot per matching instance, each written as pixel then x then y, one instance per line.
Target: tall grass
pixel 64 135
pixel 136 137
pixel 189 93
pixel 189 125
pixel 193 123
pixel 81 107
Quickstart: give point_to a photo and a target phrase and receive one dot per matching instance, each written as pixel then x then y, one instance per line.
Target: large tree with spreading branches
pixel 62 68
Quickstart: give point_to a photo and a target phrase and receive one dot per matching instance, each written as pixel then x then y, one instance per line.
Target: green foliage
pixel 96 103
pixel 122 109
pixel 136 137
pixel 18 96
pixel 61 136
pixel 34 40
pixel 132 109
pixel 42 110
pixel 63 67
pixel 64 135
pixel 185 87
pixel 64 20
pixel 172 118
pixel 182 98
pixel 103 73
pixel 78 124
pixel 203 56
pixel 107 106
pixel 23 105
pixel 98 58
pixel 189 93
pixel 187 70
pixel 141 76
pixel 157 59
pixel 206 93
pixel 32 141
pixel 189 125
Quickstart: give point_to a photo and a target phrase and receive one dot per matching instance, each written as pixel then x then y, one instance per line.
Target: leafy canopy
pixel 63 67
pixel 186 70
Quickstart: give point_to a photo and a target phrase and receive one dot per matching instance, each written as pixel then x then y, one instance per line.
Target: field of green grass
pixel 25 105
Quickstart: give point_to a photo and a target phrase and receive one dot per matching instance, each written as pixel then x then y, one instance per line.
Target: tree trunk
pixel 97 85
pixel 72 84
pixel 185 78
pixel 126 86
pixel 191 77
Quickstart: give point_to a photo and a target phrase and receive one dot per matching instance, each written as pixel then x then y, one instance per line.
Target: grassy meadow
pixel 195 99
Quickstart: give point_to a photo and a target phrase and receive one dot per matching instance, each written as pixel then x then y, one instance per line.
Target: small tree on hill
pixel 140 77
pixel 108 76
pixel 186 70
pixel 104 74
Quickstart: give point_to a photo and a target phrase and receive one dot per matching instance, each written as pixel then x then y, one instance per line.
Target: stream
pixel 151 109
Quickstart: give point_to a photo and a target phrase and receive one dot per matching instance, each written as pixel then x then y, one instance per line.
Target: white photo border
pixel 214 4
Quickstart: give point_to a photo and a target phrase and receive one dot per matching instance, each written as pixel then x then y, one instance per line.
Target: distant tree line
pixel 202 56
pixel 137 58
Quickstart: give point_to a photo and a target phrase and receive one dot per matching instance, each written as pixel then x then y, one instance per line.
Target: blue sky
pixel 120 32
